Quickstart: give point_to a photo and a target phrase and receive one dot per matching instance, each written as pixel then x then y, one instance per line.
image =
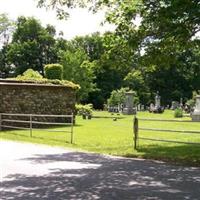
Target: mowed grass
pixel 103 135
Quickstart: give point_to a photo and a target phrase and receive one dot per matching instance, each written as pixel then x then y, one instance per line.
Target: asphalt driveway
pixel 31 172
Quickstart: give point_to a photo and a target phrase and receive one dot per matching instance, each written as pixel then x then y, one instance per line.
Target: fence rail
pixel 166 120
pixel 31 122
pixel 34 115
pixel 136 129
pixel 169 130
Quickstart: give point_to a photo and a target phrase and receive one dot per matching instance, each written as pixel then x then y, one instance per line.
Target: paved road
pixel 36 172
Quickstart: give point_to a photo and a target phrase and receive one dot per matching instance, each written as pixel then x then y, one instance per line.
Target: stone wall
pixel 31 98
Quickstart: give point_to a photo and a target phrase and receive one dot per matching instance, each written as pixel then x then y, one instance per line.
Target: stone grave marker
pixel 128 107
pixel 196 114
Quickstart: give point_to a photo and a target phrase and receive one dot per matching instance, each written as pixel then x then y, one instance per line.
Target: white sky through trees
pixel 80 22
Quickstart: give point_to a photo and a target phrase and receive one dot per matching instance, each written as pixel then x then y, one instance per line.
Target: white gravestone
pixel 175 105
pixel 157 101
pixel 196 113
pixel 128 109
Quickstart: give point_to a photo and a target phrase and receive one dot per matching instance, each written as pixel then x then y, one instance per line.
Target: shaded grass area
pixel 103 135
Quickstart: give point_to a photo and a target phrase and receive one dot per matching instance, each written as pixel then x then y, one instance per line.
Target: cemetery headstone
pixel 142 108
pixel 175 105
pixel 151 107
pixel 128 107
pixel 181 102
pixel 196 114
pixel 157 101
pixel 138 107
pixel 157 108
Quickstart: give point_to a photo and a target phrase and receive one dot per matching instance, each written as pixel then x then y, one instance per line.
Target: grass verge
pixel 103 135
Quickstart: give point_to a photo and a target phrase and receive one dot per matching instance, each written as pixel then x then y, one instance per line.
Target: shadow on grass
pixel 27 136
pixel 180 154
pixel 107 117
pixel 50 127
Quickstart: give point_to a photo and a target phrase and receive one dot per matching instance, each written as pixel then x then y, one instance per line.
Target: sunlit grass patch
pixel 104 135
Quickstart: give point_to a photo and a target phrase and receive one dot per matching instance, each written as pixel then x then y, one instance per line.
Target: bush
pixel 30 74
pixel 191 103
pixel 84 109
pixel 117 97
pixel 178 113
pixel 53 71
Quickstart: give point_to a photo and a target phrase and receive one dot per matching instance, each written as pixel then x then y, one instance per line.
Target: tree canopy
pixel 32 46
pixel 6 28
pixel 77 68
pixel 162 53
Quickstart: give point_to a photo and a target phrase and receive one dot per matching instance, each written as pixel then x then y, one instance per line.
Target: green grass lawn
pixel 103 135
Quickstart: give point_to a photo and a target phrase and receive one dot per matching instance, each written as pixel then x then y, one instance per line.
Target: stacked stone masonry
pixel 29 98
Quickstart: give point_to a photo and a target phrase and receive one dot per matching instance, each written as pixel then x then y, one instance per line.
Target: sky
pixel 80 22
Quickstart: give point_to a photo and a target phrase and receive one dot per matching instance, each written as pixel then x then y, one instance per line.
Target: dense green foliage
pixel 117 97
pixel 31 76
pixel 78 69
pixel 32 46
pixel 164 45
pixel 84 109
pixel 161 53
pixel 6 26
pixel 6 29
pixel 178 112
pixel 53 71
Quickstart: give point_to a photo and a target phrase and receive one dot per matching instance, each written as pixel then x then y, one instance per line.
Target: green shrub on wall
pixel 30 74
pixel 53 71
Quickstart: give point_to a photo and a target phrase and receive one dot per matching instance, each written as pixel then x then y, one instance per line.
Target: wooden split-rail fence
pixel 137 129
pixel 7 122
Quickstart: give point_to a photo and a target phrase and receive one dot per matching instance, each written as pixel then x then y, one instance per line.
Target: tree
pixel 168 34
pixel 92 44
pixel 117 97
pixel 165 44
pixel 78 69
pixel 6 28
pixel 5 68
pixel 32 46
pixel 61 5
pixel 161 19
pixel 171 19
pixel 135 80
pixel 171 70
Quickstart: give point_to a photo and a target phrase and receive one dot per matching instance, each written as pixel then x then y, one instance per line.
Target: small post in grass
pixel 31 125
pixel 72 123
pixel 0 121
pixel 135 130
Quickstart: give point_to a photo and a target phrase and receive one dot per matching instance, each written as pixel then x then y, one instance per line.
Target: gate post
pixel 0 121
pixel 135 130
pixel 72 124
pixel 31 125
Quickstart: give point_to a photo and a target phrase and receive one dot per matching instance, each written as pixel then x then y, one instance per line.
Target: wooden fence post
pixel 0 121
pixel 135 129
pixel 72 124
pixel 31 125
